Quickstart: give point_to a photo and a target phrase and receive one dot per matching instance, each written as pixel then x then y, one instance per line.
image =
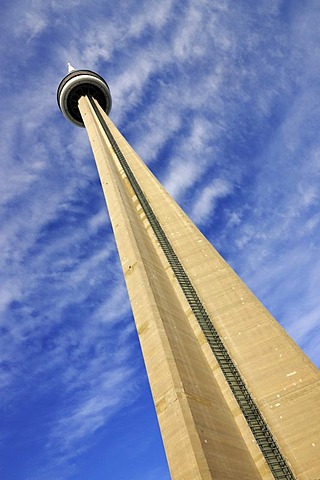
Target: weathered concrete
pixel 204 432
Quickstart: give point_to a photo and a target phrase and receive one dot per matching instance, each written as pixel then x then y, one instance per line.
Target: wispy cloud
pixel 207 200
pixel 221 100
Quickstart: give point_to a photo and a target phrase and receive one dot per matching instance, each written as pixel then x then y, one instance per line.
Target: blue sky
pixel 222 101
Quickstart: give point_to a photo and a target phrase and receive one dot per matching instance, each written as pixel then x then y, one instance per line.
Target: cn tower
pixel 235 397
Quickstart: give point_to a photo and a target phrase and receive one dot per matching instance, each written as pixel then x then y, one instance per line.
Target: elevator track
pixel 260 430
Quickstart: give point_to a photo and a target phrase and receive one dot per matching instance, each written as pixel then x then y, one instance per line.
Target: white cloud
pixel 30 25
pixel 191 159
pixel 207 200
pixel 228 95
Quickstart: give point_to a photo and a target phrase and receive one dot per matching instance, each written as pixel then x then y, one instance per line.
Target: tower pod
pixel 77 84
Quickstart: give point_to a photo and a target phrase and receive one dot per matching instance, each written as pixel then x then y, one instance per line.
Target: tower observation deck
pixel 234 395
pixel 81 83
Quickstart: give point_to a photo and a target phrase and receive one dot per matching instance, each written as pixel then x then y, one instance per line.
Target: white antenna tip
pixel 70 68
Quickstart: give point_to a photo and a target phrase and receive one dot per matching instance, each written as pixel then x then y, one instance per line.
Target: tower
pixel 234 395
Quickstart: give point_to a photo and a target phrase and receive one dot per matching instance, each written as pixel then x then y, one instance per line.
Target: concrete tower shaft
pixel 235 397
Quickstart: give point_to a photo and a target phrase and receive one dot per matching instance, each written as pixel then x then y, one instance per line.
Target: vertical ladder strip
pixel 263 436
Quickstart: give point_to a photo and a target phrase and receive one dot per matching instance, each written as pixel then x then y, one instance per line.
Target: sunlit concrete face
pixel 205 434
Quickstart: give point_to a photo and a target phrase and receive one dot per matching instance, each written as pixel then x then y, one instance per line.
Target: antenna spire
pixel 70 68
